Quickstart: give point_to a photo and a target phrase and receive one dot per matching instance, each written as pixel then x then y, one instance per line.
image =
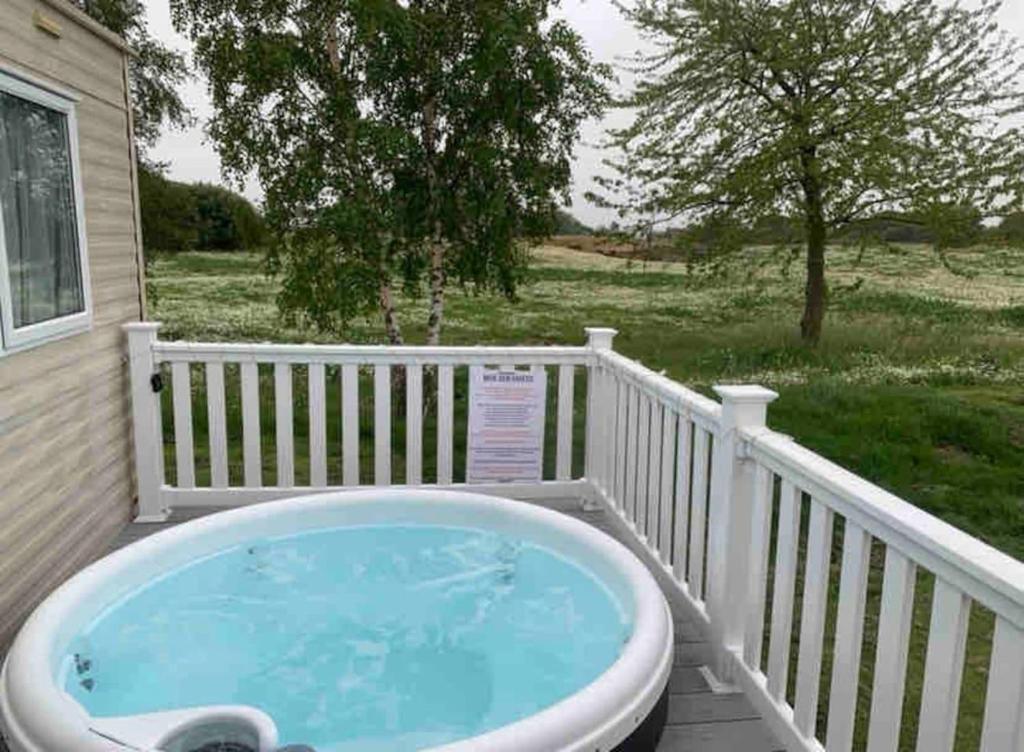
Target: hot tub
pixel 369 620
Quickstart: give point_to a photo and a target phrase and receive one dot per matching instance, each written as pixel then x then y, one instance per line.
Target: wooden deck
pixel 698 719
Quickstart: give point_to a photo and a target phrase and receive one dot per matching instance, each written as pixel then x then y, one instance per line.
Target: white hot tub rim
pixel 596 717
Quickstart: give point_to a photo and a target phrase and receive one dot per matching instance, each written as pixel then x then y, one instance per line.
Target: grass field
pixel 918 383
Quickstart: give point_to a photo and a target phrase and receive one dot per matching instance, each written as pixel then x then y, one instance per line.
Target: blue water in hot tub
pixel 357 638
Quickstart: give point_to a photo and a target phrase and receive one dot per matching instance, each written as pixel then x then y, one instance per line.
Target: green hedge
pixel 196 216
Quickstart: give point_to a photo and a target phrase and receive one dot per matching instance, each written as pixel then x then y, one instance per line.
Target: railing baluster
pixel 784 584
pixel 642 459
pixel 681 522
pixel 812 621
pixel 698 511
pixel 445 422
pixel 184 451
pixel 668 447
pixel 760 538
pixel 654 476
pixel 632 437
pixel 603 436
pixel 284 425
pixel 540 376
pixel 252 459
pixel 350 424
pixel 563 456
pixel 217 428
pixel 895 618
pixel 414 424
pixel 621 433
pixel 1003 729
pixel 853 585
pixel 943 668
pixel 382 425
pixel 611 430
pixel 317 426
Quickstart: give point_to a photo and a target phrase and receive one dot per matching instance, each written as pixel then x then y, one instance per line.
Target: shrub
pixel 185 217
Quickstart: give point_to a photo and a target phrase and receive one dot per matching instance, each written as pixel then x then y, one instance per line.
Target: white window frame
pixel 21 338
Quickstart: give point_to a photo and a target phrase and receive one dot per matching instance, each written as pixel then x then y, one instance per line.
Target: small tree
pixel 395 141
pixel 830 111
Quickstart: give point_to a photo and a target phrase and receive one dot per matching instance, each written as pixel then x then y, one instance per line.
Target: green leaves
pixel 389 134
pixel 198 216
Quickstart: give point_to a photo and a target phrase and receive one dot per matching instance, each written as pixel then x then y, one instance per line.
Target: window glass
pixel 37 204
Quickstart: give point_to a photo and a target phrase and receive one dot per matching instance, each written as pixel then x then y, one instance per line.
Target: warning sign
pixel 506 424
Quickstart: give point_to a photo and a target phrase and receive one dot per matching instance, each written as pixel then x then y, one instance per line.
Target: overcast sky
pixel 192 158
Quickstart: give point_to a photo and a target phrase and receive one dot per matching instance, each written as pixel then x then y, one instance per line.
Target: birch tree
pixel 401 145
pixel 828 111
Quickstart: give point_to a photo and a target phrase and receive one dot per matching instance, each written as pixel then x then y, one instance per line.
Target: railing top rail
pixel 672 392
pixel 206 352
pixel 989 576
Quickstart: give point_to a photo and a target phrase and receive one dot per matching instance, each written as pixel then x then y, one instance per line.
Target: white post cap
pixel 600 338
pixel 141 326
pixel 745 394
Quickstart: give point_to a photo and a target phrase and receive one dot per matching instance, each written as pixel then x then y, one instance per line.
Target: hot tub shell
pixel 36 715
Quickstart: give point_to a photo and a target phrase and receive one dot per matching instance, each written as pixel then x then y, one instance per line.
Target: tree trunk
pixel 437 284
pixel 437 249
pixel 387 307
pixel 394 332
pixel 816 291
pixel 815 294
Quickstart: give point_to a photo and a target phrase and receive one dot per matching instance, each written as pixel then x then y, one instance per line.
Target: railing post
pixel 147 430
pixel 598 339
pixel 729 518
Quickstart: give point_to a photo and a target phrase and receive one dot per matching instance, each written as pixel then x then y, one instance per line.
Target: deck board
pixel 699 720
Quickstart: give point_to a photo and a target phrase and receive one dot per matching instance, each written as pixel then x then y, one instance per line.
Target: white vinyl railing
pixel 742 521
pixel 317 371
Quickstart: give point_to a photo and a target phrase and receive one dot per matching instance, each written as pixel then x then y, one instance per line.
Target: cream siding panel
pixel 104 236
pixel 66 478
pixel 103 409
pixel 125 311
pixel 108 189
pixel 109 254
pixel 98 154
pixel 78 59
pixel 85 539
pixel 98 175
pixel 115 293
pixel 103 182
pixel 63 462
pixel 85 544
pixel 104 128
pixel 112 272
pixel 29 532
pixel 45 364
